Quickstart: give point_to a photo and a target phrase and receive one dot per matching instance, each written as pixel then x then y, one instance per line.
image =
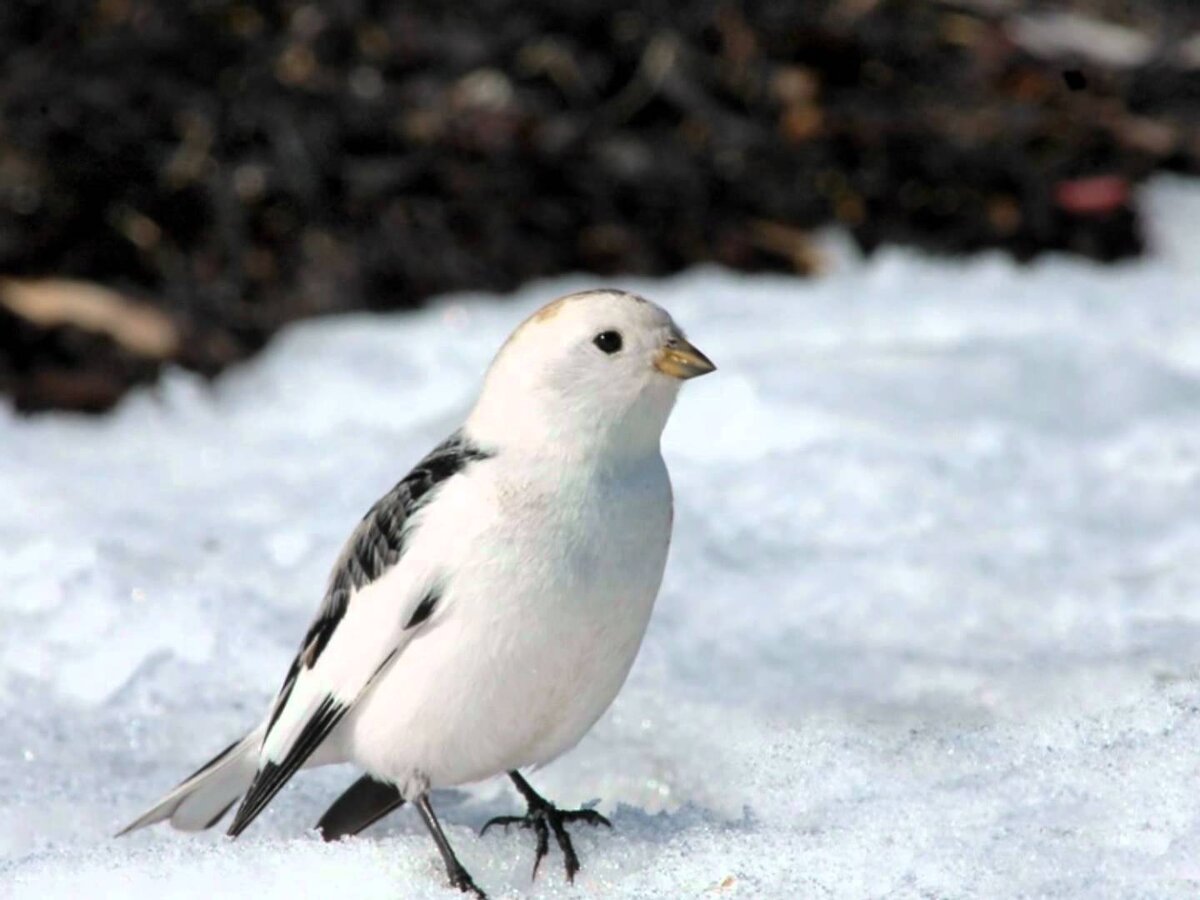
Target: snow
pixel 930 626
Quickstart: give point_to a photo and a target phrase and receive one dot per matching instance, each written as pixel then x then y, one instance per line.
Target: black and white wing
pixel 352 639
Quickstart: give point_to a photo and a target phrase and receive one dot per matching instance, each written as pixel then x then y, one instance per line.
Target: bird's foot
pixel 544 818
pixel 461 879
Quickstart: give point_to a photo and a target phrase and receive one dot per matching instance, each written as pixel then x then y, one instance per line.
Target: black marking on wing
pixel 383 665
pixel 322 628
pixel 363 804
pixel 273 776
pixel 374 547
pixel 424 609
pixel 285 691
pixel 378 542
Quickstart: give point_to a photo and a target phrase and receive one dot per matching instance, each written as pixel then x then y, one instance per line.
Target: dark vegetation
pixel 227 166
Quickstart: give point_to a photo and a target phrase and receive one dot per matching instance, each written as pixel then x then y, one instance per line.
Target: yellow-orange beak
pixel 681 360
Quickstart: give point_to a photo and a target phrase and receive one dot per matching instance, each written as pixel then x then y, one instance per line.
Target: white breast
pixel 549 584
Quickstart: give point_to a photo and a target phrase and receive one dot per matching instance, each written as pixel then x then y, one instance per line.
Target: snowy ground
pixel 931 625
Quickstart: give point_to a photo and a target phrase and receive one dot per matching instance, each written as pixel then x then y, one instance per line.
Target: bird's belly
pixel 508 678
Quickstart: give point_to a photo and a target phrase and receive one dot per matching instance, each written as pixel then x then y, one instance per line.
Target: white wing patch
pixel 369 636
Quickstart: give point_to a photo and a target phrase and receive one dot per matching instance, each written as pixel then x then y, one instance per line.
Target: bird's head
pixel 597 370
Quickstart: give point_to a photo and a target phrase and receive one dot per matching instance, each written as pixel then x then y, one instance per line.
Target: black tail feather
pixel 363 804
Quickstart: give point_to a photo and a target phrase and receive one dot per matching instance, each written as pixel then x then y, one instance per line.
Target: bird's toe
pixel 563 838
pixel 586 816
pixel 504 821
pixel 544 818
pixel 543 844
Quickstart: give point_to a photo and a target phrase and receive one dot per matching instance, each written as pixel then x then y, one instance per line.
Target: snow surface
pixel 930 628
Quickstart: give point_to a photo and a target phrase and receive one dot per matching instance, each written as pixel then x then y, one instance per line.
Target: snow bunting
pixel 486 611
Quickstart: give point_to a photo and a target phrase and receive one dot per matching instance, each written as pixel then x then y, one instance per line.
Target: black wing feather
pixel 273 776
pixel 375 546
pixel 378 542
pixel 424 609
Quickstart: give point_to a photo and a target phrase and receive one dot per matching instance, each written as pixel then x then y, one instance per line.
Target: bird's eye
pixel 608 341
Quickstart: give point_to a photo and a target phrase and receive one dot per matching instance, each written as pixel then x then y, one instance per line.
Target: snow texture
pixel 930 627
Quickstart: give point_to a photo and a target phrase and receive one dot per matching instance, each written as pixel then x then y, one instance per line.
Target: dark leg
pixel 454 869
pixel 543 817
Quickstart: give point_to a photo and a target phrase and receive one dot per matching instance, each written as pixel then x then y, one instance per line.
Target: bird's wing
pixel 355 635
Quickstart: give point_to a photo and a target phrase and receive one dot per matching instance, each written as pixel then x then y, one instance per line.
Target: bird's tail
pixel 202 798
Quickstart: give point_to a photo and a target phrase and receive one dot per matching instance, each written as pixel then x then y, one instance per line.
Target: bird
pixel 486 611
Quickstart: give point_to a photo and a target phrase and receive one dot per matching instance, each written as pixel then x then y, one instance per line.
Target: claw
pixel 543 844
pixel 505 821
pixel 543 817
pixel 570 860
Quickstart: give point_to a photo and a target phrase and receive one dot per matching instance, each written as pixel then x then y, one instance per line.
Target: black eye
pixel 608 341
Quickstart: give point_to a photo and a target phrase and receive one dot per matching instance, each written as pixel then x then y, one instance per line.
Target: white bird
pixel 486 611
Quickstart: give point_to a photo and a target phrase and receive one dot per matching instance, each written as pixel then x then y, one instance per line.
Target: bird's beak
pixel 681 360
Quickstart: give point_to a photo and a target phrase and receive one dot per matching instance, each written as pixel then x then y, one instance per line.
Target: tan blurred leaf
pixel 58 301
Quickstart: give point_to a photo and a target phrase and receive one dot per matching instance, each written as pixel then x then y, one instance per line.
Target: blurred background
pixel 180 179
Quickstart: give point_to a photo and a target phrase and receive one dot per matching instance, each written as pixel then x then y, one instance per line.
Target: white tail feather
pixel 203 798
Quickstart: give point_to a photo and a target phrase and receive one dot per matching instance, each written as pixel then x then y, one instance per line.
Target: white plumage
pixel 486 611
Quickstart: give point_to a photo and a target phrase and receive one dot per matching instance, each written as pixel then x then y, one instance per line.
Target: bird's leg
pixel 459 877
pixel 544 817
